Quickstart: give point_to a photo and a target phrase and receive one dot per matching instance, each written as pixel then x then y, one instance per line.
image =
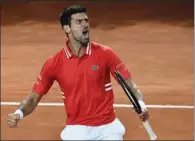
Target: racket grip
pixel 149 130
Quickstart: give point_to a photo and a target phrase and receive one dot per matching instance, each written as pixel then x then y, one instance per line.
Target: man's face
pixel 79 27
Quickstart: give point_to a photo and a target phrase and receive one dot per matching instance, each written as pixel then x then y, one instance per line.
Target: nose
pixel 85 24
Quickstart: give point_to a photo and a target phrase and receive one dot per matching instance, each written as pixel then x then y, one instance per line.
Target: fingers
pixel 144 116
pixel 12 120
pixel 12 124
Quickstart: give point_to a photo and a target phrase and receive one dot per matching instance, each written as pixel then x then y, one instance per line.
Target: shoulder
pixel 105 49
pixel 54 60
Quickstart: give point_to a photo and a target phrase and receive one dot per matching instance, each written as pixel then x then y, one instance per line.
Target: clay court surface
pixel 155 41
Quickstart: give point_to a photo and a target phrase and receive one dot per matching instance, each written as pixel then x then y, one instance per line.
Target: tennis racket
pixel 135 103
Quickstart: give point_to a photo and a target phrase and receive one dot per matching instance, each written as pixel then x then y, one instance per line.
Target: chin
pixel 85 43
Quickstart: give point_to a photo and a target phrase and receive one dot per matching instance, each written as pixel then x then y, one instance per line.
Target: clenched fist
pixel 144 116
pixel 12 120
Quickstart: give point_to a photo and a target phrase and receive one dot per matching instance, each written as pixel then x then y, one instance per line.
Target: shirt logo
pixel 39 78
pixel 95 67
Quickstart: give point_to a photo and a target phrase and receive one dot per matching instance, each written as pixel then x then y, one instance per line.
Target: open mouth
pixel 85 32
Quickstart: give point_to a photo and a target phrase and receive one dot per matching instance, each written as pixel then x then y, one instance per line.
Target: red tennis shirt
pixel 85 83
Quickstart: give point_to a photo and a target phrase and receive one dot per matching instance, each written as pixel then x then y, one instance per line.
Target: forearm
pixel 137 92
pixel 27 106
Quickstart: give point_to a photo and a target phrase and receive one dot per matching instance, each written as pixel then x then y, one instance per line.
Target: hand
pixel 12 120
pixel 144 115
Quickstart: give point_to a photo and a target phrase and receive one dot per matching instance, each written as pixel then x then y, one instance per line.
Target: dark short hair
pixel 65 16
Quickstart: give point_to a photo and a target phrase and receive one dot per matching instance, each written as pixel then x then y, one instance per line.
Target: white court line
pixel 115 105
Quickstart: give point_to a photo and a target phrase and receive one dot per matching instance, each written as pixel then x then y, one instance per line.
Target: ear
pixel 66 29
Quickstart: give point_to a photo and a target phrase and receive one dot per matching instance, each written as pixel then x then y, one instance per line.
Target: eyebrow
pixel 82 19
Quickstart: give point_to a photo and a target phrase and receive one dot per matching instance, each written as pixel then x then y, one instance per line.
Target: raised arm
pixel 30 103
pixel 25 108
pixel 40 88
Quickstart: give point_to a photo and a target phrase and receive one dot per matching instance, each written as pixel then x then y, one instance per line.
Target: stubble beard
pixel 81 41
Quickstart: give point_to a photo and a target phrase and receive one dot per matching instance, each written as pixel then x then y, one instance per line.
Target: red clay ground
pixel 156 44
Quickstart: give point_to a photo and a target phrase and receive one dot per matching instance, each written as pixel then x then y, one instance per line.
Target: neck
pixel 76 47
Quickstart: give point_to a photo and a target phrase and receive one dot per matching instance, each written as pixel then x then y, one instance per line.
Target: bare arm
pixel 132 85
pixel 30 103
pixel 134 88
pixel 25 108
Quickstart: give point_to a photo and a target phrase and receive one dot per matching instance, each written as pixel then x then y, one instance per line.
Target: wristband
pixel 20 113
pixel 142 104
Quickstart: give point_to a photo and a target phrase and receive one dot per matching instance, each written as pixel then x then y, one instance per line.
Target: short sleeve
pixel 115 63
pixel 45 79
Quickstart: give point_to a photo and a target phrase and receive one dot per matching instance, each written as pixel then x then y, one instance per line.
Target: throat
pixel 80 52
pixel 77 50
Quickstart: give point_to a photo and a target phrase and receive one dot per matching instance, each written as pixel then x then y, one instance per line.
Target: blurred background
pixel 154 38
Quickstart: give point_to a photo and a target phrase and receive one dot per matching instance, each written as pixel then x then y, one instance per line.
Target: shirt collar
pixel 69 53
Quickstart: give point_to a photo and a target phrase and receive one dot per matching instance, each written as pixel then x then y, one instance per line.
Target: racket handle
pixel 149 130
